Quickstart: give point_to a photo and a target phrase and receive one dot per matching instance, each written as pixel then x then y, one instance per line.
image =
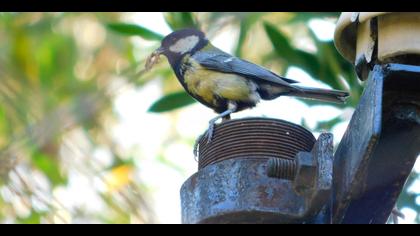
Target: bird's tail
pixel 328 95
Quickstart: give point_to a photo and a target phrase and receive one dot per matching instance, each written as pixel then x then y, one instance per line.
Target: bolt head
pixel 305 173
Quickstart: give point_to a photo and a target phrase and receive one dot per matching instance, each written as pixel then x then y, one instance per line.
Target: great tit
pixel 226 83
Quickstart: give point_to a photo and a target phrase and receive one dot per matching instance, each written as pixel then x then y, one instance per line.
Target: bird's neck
pixel 176 60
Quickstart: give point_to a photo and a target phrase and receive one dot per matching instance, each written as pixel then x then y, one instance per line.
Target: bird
pixel 225 83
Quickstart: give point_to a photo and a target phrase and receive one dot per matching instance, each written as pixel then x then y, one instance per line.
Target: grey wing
pixel 224 62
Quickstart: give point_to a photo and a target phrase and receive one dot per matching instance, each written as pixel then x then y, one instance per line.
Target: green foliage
pixel 134 30
pixel 172 101
pixel 326 65
pixel 180 20
pixel 50 167
pixel 245 26
pixel 307 16
pixel 33 218
pixel 55 81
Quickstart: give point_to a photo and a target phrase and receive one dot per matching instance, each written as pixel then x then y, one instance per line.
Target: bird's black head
pixel 175 45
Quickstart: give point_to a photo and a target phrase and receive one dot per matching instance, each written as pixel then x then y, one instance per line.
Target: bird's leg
pixel 195 150
pixel 225 116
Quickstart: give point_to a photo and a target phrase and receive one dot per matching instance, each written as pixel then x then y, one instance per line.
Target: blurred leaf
pixel 329 68
pixel 333 65
pixel 294 57
pixel 307 16
pixel 2 121
pixel 279 41
pixel 172 101
pixel 327 125
pixel 308 62
pixel 21 45
pixel 245 25
pixel 180 20
pixel 175 166
pixel 2 205
pixel 33 218
pixel 49 167
pixel 134 30
pixel 324 66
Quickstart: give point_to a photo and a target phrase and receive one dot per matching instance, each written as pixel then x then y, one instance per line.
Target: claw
pixel 196 146
pixel 210 131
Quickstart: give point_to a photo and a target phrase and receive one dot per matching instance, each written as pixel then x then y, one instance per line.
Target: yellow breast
pixel 209 84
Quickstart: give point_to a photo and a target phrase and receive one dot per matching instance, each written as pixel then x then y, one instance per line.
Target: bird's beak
pixel 159 51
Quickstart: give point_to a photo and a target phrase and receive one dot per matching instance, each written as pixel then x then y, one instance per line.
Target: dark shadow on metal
pixel 233 183
pixel 380 146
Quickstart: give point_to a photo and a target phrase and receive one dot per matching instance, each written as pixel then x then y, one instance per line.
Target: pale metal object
pixel 364 37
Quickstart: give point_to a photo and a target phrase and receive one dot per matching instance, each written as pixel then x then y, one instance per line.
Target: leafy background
pixel 87 136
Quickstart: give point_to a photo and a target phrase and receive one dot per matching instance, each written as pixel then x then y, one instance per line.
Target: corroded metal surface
pixel 254 138
pixel 238 189
pixel 356 146
pixel 379 147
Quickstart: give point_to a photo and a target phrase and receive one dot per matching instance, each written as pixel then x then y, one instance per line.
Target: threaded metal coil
pixel 254 138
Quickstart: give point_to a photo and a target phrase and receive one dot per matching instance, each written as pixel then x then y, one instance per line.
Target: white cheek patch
pixel 185 44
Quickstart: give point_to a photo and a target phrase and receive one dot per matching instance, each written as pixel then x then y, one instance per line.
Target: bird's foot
pixel 196 146
pixel 210 130
pixel 208 135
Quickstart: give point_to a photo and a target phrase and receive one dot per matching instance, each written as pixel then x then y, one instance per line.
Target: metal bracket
pixel 380 146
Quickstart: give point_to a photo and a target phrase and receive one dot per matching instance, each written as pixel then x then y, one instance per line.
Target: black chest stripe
pixel 184 67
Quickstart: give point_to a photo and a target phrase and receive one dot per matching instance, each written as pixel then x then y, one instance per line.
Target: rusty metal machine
pixel 261 170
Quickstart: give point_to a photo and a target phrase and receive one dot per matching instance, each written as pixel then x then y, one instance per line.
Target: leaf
pixel 279 41
pixel 324 66
pixel 49 167
pixel 245 25
pixel 172 101
pixel 294 57
pixel 134 30
pixel 333 65
pixel 308 62
pixel 33 218
pixel 242 35
pixel 307 16
pixel 180 20
pixel 327 125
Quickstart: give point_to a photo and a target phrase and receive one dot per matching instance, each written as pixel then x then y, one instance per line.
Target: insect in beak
pixel 153 58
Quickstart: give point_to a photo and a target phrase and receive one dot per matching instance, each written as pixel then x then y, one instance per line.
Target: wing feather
pixel 216 59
